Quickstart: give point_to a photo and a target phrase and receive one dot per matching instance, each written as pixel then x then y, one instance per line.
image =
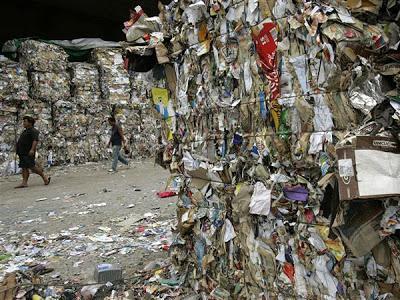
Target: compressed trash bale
pixel 50 87
pixel 140 129
pixel 42 57
pixel 8 132
pixel 85 89
pixel 141 85
pixel 14 83
pixel 114 79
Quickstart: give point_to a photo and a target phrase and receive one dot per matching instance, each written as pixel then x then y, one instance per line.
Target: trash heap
pixel 281 116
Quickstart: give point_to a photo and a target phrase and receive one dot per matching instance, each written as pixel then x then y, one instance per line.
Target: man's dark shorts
pixel 26 161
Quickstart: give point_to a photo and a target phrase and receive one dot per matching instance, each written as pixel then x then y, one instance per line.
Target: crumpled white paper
pixel 230 233
pixel 324 276
pixel 260 200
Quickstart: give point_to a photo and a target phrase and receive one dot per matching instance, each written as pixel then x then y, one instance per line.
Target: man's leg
pixel 39 171
pixel 122 159
pixel 24 165
pixel 25 176
pixel 116 150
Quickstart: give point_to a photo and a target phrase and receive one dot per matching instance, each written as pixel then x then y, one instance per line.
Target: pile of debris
pixel 281 116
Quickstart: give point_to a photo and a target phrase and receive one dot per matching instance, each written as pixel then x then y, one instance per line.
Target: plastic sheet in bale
pixel 42 57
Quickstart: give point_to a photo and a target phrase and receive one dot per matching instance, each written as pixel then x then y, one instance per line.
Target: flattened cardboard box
pixel 360 231
pixel 369 169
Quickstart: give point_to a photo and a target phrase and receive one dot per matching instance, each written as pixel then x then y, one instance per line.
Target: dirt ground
pixel 60 224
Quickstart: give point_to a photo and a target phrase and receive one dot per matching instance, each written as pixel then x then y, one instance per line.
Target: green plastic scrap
pixel 168 282
pixel 221 294
pixel 238 288
pixel 5 256
pixel 284 130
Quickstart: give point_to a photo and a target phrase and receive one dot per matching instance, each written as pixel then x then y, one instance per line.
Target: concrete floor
pixel 56 224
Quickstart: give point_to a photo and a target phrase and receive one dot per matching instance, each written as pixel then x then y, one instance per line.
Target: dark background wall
pixel 68 19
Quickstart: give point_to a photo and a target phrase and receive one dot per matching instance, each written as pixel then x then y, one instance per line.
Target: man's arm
pixel 121 134
pixel 34 144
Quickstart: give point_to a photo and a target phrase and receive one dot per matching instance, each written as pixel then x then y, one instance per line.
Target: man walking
pixel 26 150
pixel 117 140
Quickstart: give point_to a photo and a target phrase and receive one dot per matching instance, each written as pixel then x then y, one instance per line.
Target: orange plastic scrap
pixel 288 269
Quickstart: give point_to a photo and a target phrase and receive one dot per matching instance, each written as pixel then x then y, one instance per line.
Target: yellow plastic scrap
pixel 238 188
pixel 275 113
pixel 158 272
pixel 336 246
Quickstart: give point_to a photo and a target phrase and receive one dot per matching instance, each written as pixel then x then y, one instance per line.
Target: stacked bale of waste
pixel 14 88
pixel 140 129
pixel 114 79
pixel 85 87
pixel 140 119
pixel 8 131
pixel 49 83
pixel 71 103
pixel 86 96
pixel 47 69
pixel 14 85
pixel 141 85
pixel 71 122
